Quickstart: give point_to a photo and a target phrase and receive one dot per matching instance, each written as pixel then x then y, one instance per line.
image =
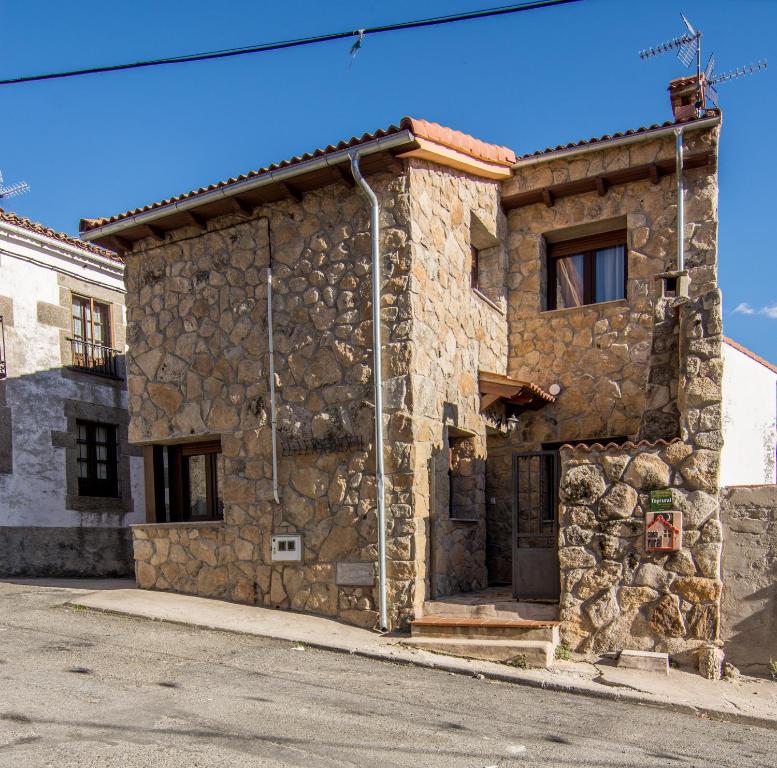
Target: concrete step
pixel 500 609
pixel 462 628
pixel 528 653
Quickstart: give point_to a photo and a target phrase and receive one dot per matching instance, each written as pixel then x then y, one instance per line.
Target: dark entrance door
pixel 535 526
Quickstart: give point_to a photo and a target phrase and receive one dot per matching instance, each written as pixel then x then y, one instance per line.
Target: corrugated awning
pixel 522 395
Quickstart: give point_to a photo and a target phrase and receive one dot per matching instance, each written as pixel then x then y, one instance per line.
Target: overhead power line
pixel 283 44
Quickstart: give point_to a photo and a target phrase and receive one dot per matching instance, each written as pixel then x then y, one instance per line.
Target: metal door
pixel 535 526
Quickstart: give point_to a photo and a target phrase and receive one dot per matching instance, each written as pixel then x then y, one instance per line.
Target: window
pixel 91 341
pixel 188 481
pixel 474 277
pixel 97 459
pixel 91 321
pixel 587 270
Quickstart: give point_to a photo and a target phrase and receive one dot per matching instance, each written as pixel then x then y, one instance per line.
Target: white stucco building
pixel 69 484
pixel 749 418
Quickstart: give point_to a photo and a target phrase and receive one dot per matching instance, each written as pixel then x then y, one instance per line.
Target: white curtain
pixel 610 263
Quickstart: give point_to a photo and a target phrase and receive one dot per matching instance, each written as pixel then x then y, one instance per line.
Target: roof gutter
pixel 657 133
pixel 239 187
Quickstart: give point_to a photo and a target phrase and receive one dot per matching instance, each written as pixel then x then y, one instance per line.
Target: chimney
pixel 683 96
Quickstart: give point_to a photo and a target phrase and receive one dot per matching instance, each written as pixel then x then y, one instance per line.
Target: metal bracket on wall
pixel 303 446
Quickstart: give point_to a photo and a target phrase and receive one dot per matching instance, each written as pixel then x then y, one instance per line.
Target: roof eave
pixel 404 137
pixel 594 146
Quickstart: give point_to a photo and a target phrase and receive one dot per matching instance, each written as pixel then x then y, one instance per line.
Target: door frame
pixel 554 485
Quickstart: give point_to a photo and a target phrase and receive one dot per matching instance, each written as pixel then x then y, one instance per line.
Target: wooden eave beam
pixel 652 171
pixel 154 232
pixel 119 244
pixel 487 401
pixel 345 174
pixel 601 186
pixel 239 205
pixel 291 191
pixel 195 220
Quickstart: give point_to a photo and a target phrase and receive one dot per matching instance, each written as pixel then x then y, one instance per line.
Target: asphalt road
pixel 80 688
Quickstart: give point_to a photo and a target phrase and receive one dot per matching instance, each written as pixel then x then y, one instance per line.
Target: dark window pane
pixel 610 264
pixel 570 281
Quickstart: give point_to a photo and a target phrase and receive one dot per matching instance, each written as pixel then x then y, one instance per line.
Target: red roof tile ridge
pixel 660 443
pixel 462 142
pixel 617 135
pixel 9 217
pixel 749 353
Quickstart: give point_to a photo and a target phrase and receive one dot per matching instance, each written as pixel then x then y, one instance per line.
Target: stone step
pixel 507 609
pixel 484 629
pixel 528 653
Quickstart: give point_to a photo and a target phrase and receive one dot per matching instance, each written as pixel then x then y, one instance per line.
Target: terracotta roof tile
pixel 585 447
pixel 39 229
pixel 618 135
pixel 462 142
pixel 750 354
pixel 422 128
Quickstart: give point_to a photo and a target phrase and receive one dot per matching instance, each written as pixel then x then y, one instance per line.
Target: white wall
pixel 749 417
pixel 34 493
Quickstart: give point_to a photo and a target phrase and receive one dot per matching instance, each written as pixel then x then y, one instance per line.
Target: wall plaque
pixel 663 531
pixel 661 501
pixel 355 574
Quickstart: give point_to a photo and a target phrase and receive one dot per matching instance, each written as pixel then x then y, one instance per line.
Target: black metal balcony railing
pixel 95 358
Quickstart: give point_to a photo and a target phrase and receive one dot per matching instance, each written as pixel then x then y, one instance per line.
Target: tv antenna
pixel 688 47
pixel 12 190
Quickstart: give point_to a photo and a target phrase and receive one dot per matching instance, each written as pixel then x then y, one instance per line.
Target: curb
pixel 407 658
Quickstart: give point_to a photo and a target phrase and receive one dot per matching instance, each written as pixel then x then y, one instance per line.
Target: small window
pixel 188 481
pixel 588 270
pixel 97 459
pixel 474 276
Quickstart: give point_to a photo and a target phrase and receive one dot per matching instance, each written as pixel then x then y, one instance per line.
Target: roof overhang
pixel 516 395
pixel 246 195
pixel 442 155
pixel 650 134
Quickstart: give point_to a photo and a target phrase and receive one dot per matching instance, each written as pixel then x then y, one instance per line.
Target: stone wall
pixel 198 366
pixel 614 594
pixel 456 332
pixel 616 362
pixel 749 571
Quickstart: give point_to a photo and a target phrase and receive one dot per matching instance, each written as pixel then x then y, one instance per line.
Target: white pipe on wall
pixel 273 421
pixel 678 133
pixel 378 381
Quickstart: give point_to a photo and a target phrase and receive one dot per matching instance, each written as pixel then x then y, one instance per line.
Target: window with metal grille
pixel 97 459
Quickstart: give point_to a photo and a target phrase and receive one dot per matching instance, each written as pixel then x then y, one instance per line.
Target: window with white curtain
pixel 587 270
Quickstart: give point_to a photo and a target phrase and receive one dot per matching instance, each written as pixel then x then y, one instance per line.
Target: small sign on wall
pixel 355 574
pixel 663 531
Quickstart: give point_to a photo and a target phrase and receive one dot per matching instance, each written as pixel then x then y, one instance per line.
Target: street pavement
pixel 82 688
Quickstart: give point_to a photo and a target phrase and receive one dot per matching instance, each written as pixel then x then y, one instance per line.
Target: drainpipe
pixel 378 380
pixel 273 420
pixel 678 134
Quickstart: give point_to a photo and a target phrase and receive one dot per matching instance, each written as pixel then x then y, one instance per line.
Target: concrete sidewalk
pixel 748 700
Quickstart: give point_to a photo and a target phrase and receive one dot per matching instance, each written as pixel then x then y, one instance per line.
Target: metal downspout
pixel 378 381
pixel 678 134
pixel 273 420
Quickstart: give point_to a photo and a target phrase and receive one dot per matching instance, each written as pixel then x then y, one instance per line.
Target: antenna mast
pixel 12 190
pixel 688 47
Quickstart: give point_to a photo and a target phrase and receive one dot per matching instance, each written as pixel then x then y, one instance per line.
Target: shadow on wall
pixel 749 572
pixel 38 414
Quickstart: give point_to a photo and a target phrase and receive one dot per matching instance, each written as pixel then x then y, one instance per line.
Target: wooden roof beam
pixel 601 185
pixel 240 205
pixel 345 174
pixel 154 232
pixel 291 191
pixel 196 220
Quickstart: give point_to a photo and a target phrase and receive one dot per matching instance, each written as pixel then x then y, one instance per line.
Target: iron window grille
pixel 3 365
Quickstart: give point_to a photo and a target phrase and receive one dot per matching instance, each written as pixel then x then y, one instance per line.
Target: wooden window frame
pixel 587 248
pixel 177 509
pixel 107 341
pixel 91 485
pixel 474 268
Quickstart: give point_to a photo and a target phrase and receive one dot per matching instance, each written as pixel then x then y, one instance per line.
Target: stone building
pixel 546 364
pixel 70 485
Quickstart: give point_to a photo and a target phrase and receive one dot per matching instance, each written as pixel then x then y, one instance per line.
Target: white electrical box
pixel 287 546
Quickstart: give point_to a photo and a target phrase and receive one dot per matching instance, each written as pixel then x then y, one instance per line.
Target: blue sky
pixel 105 143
